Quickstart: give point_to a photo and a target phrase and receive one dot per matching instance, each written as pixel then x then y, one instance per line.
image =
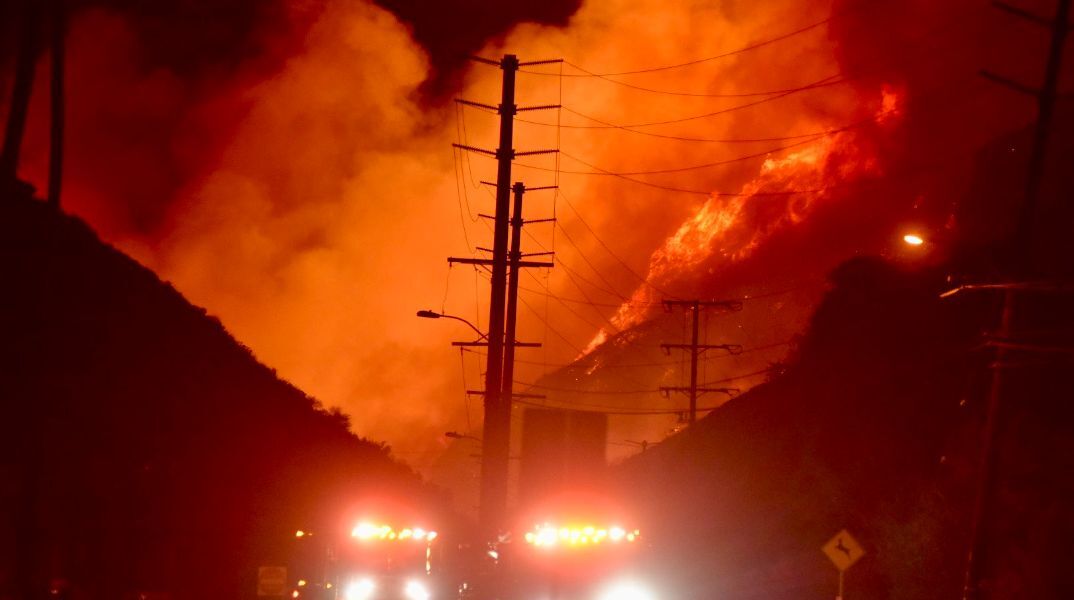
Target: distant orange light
pixel 913 239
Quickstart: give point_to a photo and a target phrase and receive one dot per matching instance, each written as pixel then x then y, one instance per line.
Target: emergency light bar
pixel 548 535
pixel 366 531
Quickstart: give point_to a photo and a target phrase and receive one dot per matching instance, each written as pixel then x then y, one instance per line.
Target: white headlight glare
pixel 415 590
pixel 361 589
pixel 627 590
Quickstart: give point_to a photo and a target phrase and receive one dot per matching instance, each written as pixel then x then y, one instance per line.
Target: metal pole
pixel 56 99
pixel 987 465
pixel 1023 248
pixel 840 596
pixel 29 46
pixel 693 363
pixel 514 257
pixel 1045 110
pixel 494 455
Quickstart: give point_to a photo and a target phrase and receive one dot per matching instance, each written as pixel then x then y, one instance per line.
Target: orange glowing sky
pixel 325 220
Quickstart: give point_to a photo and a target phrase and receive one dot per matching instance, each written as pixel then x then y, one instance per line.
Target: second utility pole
pixel 696 348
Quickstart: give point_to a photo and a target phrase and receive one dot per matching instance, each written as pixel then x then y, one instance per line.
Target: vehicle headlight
pixel 361 589
pixel 416 590
pixel 627 590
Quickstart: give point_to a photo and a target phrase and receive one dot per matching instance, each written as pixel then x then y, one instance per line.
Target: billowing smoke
pixel 304 190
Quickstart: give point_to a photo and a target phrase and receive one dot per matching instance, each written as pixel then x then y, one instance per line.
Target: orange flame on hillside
pixel 728 228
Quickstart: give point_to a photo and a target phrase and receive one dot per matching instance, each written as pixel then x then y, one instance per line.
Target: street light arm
pixel 429 314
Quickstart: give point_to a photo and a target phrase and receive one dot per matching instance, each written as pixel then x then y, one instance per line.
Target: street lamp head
pixel 455 435
pixel 428 314
pixel 913 239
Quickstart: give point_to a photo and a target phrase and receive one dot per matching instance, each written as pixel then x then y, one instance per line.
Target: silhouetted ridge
pixel 144 448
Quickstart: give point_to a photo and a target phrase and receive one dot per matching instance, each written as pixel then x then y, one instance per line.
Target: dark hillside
pixel 144 448
pixel 872 426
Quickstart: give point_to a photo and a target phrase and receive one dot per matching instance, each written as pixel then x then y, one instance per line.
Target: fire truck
pixel 577 553
pixel 375 558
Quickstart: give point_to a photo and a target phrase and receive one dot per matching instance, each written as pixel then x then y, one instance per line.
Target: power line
pixel 623 412
pixel 647 303
pixel 747 48
pixel 581 253
pixel 820 83
pixel 747 140
pixel 697 94
pixel 610 173
pixel 633 391
pixel 916 50
pixel 592 232
pixel 571 310
pixel 581 365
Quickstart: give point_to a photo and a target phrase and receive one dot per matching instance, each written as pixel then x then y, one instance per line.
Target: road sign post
pixel 843 550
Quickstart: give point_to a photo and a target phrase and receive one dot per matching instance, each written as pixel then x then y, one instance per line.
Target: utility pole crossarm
pixel 701 390
pixel 492 262
pixel 475 149
pixel 730 348
pixel 728 305
pixel 533 152
pixel 486 61
pixel 480 344
pixel 541 107
pixel 513 395
pixel 477 104
pixel 533 63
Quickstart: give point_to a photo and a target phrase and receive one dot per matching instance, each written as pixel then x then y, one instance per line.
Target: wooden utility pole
pixel 25 62
pixel 496 429
pixel 57 51
pixel 1024 248
pixel 515 257
pixel 696 348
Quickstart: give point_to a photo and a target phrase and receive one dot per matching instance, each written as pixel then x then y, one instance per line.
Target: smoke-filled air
pixel 304 188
